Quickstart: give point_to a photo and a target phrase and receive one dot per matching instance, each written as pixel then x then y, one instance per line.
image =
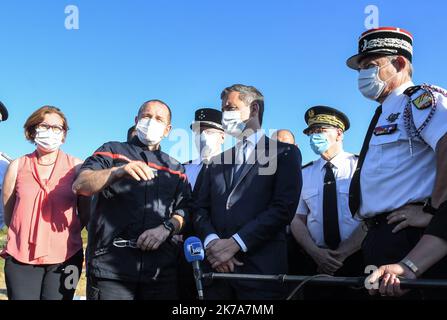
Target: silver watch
pixel 410 265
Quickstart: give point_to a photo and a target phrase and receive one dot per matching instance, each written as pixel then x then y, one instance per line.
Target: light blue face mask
pixel 370 84
pixel 319 143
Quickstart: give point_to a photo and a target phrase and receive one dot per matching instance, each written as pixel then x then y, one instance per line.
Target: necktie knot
pixel 328 165
pixel 241 151
pixel 241 159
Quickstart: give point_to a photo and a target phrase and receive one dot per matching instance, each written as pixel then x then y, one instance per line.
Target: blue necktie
pixel 240 161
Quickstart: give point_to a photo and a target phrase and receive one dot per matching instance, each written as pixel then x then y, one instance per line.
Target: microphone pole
pixel 198 278
pixel 328 280
pixel 194 253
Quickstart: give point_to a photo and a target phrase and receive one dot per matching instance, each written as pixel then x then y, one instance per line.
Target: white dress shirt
pixel 252 141
pixel 392 176
pixel 311 199
pixel 192 171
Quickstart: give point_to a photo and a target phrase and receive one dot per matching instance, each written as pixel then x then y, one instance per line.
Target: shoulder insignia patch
pixel 424 101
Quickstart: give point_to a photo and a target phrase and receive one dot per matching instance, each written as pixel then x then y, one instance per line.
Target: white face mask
pixel 208 144
pixel 232 123
pixel 150 131
pixel 47 140
pixel 369 82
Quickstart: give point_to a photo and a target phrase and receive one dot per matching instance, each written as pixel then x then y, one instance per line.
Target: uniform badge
pixel 388 129
pixel 393 117
pixel 311 113
pixel 424 101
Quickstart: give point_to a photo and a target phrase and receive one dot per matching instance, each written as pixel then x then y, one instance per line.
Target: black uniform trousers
pixel 382 247
pixel 353 266
pixel 164 288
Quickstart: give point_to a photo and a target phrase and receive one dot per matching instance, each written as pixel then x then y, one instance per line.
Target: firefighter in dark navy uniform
pixel 143 200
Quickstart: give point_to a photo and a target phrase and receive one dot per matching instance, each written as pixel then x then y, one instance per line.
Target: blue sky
pixel 186 52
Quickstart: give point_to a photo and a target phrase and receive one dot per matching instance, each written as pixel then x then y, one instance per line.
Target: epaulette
pixel 307 165
pixel 411 90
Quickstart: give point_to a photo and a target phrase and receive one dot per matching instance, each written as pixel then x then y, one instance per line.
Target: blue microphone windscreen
pixel 193 249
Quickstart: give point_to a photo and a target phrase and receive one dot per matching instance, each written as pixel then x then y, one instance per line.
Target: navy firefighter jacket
pixel 127 208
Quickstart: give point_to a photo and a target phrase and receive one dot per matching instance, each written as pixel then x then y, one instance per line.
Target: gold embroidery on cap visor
pixel 326 119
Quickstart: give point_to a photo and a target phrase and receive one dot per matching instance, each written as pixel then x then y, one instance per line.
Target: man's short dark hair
pixel 248 94
pixel 155 100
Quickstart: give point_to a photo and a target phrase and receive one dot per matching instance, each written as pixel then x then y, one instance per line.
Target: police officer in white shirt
pixel 4 161
pixel 323 225
pixel 208 136
pixel 403 162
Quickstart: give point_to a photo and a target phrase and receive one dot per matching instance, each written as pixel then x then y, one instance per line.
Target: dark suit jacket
pixel 257 207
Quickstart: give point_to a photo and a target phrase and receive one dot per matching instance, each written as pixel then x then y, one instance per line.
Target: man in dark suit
pixel 247 197
pixel 294 251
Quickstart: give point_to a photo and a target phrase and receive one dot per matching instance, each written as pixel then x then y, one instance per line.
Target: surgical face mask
pixel 369 82
pixel 208 144
pixel 232 123
pixel 47 140
pixel 319 143
pixel 150 131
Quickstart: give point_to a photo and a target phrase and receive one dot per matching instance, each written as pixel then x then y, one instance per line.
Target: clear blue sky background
pixel 186 52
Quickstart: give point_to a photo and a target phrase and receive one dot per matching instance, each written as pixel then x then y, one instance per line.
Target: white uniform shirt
pixel 311 199
pixel 391 177
pixel 4 163
pixel 192 171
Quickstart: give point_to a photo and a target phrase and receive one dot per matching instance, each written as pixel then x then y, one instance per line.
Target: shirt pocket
pixel 310 197
pixel 343 197
pixel 383 152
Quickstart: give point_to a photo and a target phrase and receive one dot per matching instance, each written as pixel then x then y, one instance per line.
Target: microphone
pixel 194 253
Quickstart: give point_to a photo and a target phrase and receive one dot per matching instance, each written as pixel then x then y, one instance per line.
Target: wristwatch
pixel 428 207
pixel 169 226
pixel 410 265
